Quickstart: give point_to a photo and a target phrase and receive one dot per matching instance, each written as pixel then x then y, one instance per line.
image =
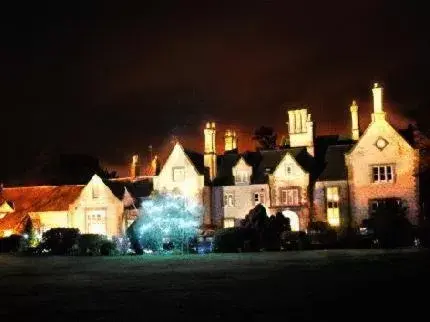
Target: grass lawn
pixel 289 286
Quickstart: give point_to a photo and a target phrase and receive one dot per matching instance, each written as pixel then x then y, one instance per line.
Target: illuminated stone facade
pixel 324 178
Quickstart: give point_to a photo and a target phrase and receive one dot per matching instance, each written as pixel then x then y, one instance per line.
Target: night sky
pixel 109 81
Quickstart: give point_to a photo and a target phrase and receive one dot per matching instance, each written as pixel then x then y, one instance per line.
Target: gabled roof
pixel 225 164
pixel 334 167
pixel 197 159
pixel 270 159
pixel 36 199
pixel 137 189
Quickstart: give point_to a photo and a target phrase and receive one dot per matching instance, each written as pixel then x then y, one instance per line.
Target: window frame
pixel 333 213
pixel 293 194
pixel 229 199
pixel 174 169
pixel 258 198
pixel 384 176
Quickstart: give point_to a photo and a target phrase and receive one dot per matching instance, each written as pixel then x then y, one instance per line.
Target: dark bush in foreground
pixel 322 235
pixel 11 244
pixel 389 225
pixel 236 239
pixel 90 244
pixel 294 240
pixel 60 241
pixel 108 248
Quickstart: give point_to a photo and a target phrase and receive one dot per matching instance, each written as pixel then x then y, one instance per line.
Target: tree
pixel 269 229
pixel 389 225
pixel 165 219
pixel 265 137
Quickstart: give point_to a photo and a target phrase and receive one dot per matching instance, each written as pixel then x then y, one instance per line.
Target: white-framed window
pixel 290 197
pixel 258 198
pixel 178 174
pixel 228 222
pixel 333 212
pixel 96 222
pixel 228 200
pixel 242 177
pixel 382 173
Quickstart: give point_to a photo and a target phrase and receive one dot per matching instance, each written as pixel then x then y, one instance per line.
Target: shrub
pixel 390 226
pixel 108 248
pixel 122 245
pixel 294 240
pixel 90 244
pixel 236 239
pixel 322 235
pixel 59 241
pixel 11 244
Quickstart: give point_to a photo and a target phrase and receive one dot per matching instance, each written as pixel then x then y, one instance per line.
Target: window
pixel 290 197
pixel 382 173
pixel 242 177
pixel 288 169
pixel 228 222
pixel 228 200
pixel 258 198
pixel 96 222
pixel 376 204
pixel 95 191
pixel 178 174
pixel 2 214
pixel 333 213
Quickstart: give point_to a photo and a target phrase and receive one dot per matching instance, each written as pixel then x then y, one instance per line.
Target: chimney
pixel 133 167
pixel 378 110
pixel 210 149
pixel 301 129
pixel 230 140
pixel 234 140
pixel 155 166
pixel 355 131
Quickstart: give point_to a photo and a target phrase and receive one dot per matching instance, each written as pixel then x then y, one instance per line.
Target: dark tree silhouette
pixel 265 137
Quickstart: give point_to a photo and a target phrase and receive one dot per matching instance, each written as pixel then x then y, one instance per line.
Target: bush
pixel 322 235
pixel 90 244
pixel 236 239
pixel 294 240
pixel 122 245
pixel 108 248
pixel 390 226
pixel 60 241
pixel 11 244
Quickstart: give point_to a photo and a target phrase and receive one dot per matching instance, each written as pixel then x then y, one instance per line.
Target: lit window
pixel 228 222
pixel 7 232
pixel 333 214
pixel 96 222
pixel 178 174
pixel 242 177
pixel 290 197
pixel 258 198
pixel 228 200
pixel 382 173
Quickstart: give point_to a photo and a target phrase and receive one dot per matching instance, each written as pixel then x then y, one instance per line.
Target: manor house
pixel 324 178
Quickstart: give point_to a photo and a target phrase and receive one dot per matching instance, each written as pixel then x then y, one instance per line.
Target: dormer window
pixel 242 177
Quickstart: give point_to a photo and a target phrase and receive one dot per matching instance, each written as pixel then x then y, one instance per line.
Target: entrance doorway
pixel 294 219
